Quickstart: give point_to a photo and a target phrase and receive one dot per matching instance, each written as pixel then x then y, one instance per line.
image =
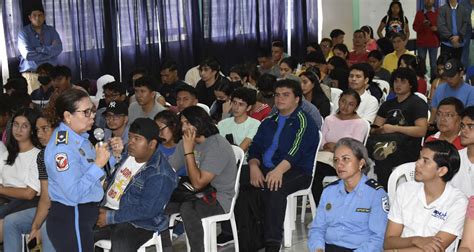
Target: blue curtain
pixel 116 36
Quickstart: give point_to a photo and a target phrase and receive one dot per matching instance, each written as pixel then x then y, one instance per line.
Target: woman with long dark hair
pixel 394 22
pixel 18 169
pixel 313 92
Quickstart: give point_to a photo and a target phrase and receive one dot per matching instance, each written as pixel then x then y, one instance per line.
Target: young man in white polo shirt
pixel 359 81
pixel 428 214
pixel 464 179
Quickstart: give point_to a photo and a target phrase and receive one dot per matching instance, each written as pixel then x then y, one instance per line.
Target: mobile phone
pixel 32 243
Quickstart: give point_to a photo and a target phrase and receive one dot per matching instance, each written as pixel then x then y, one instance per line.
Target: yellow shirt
pixel 390 62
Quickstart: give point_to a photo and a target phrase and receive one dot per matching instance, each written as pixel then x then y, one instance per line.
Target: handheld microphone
pixel 99 135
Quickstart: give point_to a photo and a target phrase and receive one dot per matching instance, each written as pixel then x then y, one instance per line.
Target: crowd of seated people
pixel 161 133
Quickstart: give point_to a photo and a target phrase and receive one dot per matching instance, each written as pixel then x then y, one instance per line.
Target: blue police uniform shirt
pixel 354 220
pixel 73 177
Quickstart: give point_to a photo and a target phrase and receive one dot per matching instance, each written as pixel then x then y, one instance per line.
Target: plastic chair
pixel 406 170
pixel 106 245
pixel 422 96
pixel 384 86
pixel 290 212
pixel 209 223
pixel 205 107
pixel 335 95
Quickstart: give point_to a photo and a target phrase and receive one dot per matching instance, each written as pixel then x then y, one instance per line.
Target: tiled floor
pixel 300 237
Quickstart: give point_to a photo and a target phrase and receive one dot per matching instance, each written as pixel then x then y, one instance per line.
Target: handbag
pixel 185 191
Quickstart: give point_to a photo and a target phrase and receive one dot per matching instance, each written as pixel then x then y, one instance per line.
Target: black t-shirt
pixel 169 91
pixel 43 175
pixel 404 113
pixel 205 94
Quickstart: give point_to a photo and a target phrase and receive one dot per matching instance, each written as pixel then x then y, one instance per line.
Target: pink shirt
pixel 334 129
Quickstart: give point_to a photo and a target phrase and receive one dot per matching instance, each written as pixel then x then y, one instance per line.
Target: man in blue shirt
pixel 38 43
pixel 455 87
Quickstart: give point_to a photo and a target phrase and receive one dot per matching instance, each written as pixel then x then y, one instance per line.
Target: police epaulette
pixel 374 184
pixel 61 137
pixel 333 183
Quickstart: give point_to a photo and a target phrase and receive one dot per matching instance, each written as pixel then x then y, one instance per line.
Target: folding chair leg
pixel 287 230
pixel 312 203
pixel 303 208
pixel 234 232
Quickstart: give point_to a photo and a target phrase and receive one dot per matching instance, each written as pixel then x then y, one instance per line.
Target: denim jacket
pixel 146 196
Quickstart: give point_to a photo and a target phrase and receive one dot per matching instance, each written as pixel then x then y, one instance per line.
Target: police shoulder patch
pixel 333 183
pixel 61 137
pixel 374 184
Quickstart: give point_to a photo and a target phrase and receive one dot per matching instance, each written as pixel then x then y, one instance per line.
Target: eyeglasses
pixel 161 129
pixel 447 116
pixel 469 126
pixel 87 112
pixel 18 126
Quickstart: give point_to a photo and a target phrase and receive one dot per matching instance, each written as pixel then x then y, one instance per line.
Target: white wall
pixel 338 14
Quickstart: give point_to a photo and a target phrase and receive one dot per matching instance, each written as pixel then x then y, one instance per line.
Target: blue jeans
pixel 19 223
pixel 433 53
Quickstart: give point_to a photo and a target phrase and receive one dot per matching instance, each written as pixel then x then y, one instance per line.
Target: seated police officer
pixel 137 193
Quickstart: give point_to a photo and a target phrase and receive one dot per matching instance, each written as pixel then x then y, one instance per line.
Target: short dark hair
pixel 445 154
pixel 316 57
pixel 278 43
pixel 326 40
pixel 18 84
pixel 405 74
pixel 414 62
pixel 376 54
pixel 341 47
pixel 116 86
pixel 171 120
pixel 146 81
pixel 36 7
pixel 60 71
pixel 359 31
pixel 338 62
pixel 239 70
pixel 266 83
pixel 291 62
pixel 365 68
pixel 46 67
pixel 468 112
pixel 212 63
pixel 248 95
pixel 200 119
pixel 171 65
pixel 342 76
pixel 400 35
pixel 336 33
pixel 458 105
pixel 186 88
pixel 293 85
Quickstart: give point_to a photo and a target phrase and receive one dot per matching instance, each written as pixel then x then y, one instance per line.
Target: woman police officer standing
pixel 74 168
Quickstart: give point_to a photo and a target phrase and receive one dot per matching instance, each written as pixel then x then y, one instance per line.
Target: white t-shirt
pixel 368 107
pixel 23 173
pixel 420 219
pixel 122 177
pixel 2 148
pixel 464 178
pixel 240 131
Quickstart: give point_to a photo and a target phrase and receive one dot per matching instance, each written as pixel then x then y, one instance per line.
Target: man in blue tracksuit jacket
pixel 281 157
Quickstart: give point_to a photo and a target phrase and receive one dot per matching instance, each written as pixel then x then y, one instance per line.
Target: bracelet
pixel 189 153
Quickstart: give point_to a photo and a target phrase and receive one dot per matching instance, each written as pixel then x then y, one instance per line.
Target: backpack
pixel 249 212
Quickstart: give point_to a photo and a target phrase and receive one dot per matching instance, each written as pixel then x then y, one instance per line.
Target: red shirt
pixel 456 142
pixel 262 112
pixel 425 37
pixel 422 86
pixel 355 58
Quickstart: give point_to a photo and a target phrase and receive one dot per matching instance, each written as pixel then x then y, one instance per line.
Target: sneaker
pixel 224 240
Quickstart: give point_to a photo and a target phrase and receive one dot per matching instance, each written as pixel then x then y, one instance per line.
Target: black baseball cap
pixel 452 67
pixel 117 108
pixel 145 127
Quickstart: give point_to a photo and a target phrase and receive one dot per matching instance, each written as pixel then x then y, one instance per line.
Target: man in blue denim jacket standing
pixel 137 192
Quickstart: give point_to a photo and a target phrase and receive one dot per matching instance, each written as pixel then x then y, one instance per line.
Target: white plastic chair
pixel 335 95
pixel 209 223
pixel 383 85
pixel 422 96
pixel 406 170
pixel 106 245
pixel 290 212
pixel 205 107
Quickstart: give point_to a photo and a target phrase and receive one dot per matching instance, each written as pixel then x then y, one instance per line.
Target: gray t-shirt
pixel 216 156
pixel 135 111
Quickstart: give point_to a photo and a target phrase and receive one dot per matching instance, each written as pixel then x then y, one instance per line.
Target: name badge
pixel 363 210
